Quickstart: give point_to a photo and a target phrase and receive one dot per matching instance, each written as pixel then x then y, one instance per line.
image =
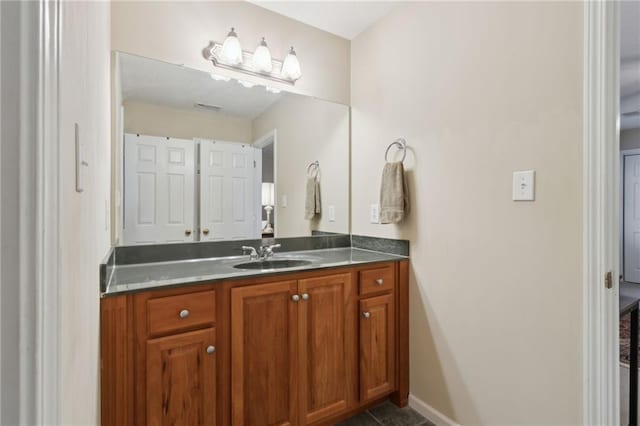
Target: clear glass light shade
pixel 268 193
pixel 231 50
pixel 262 58
pixel 291 66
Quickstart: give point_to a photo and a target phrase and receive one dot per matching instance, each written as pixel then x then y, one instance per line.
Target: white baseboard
pixel 433 415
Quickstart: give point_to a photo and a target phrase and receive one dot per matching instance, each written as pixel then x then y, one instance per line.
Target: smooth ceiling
pixel 156 82
pixel 345 19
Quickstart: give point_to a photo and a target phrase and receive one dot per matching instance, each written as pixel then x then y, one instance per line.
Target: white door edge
pixel 601 189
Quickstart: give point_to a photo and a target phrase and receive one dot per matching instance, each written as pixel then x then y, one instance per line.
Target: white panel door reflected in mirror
pixel 193 153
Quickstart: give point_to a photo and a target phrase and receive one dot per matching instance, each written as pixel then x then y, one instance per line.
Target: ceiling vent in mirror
pixel 229 55
pixel 208 107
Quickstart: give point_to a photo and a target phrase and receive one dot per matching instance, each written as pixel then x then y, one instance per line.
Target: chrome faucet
pixel 253 254
pixel 266 251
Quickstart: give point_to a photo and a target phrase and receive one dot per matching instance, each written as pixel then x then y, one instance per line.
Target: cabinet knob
pixel 211 349
pixel 305 296
pixel 187 232
pixel 295 297
pixel 205 231
pixel 379 281
pixel 366 314
pixel 184 313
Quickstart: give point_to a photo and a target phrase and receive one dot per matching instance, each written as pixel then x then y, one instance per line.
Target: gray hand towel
pixel 312 200
pixel 394 195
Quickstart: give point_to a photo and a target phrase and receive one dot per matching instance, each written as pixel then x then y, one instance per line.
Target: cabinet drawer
pixel 376 280
pixel 171 313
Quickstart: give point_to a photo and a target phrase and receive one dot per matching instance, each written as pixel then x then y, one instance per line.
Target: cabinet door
pixel 181 379
pixel 327 347
pixel 264 335
pixel 377 346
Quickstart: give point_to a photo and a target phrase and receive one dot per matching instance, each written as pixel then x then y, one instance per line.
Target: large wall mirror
pixel 200 157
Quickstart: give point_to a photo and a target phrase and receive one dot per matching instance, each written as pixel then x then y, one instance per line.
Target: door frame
pixel 271 137
pixel 600 215
pixel 36 227
pixel 601 192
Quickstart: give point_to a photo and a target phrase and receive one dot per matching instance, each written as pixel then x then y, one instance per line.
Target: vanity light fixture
pixel 262 58
pixel 291 67
pixel 229 55
pixel 231 50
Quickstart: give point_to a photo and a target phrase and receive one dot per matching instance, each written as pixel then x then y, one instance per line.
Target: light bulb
pixel 272 89
pixel 291 66
pixel 247 84
pixel 262 58
pixel 231 50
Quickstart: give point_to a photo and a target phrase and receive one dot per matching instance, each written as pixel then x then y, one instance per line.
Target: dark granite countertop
pixel 121 279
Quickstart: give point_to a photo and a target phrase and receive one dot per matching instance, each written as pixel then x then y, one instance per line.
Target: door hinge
pixel 608 280
pixel 254 164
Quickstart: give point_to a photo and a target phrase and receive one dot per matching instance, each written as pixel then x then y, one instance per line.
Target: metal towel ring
pixel 402 144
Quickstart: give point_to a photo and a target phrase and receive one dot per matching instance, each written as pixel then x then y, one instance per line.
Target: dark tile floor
pixel 387 414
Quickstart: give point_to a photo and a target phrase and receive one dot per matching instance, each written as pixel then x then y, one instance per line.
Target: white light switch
pixel 284 201
pixel 524 185
pixel 375 213
pixel 332 213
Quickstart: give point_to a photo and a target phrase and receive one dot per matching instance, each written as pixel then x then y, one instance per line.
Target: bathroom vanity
pixel 192 333
pixel 310 344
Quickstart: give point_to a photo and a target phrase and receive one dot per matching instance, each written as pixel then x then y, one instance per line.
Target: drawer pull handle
pixel 184 313
pixel 379 281
pixel 211 349
pixel 366 314
pixel 295 297
pixel 305 296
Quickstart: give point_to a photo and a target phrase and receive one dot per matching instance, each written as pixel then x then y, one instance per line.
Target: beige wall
pixel 159 120
pixel 480 90
pixel 178 31
pixel 307 130
pixel 630 139
pixel 84 227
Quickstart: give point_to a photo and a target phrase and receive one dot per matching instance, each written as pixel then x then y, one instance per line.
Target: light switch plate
pixel 524 185
pixel 375 213
pixel 284 201
pixel 332 213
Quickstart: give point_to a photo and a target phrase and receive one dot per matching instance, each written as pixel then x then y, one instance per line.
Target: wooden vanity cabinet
pixel 327 359
pixel 377 346
pixel 181 379
pixel 264 344
pixel 293 346
pixel 309 348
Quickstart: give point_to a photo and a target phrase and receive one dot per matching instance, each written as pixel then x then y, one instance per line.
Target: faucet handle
pixel 253 254
pixel 267 250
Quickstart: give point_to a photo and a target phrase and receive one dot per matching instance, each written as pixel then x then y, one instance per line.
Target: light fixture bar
pixel 213 51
